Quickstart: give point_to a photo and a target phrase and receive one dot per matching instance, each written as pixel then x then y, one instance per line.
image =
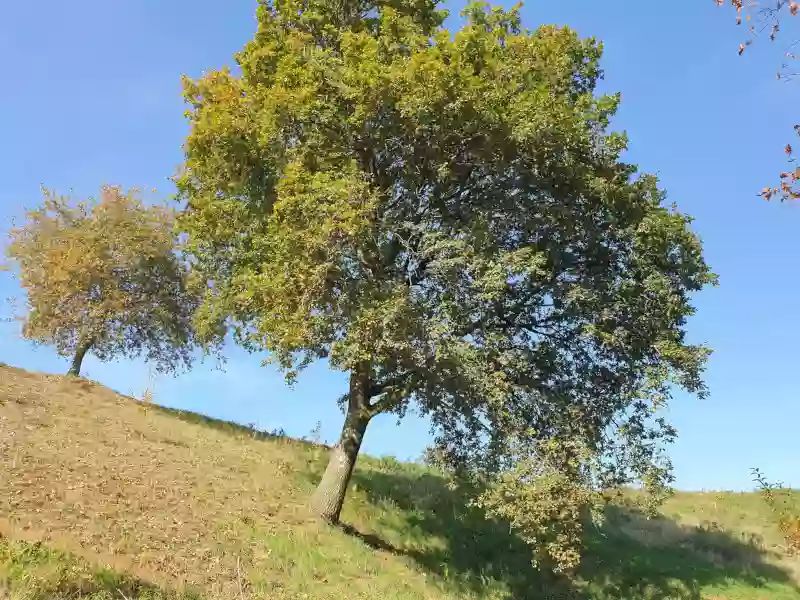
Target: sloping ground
pixel 104 497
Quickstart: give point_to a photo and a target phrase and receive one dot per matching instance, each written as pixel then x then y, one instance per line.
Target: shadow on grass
pixel 630 557
pixel 36 572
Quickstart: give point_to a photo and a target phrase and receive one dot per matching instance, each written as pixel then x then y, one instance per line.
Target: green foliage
pixel 543 498
pixel 103 275
pixel 446 217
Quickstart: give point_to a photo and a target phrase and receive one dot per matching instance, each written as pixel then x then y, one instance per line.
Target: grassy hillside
pixel 104 497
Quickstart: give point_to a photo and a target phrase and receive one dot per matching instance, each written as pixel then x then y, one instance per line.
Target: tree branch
pixel 379 389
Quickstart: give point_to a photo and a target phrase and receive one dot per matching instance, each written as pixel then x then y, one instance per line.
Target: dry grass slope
pixel 105 497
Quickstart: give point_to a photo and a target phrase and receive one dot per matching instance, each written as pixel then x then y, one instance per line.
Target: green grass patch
pixel 32 571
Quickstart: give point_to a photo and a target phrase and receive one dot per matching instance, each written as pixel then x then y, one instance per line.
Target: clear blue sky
pixel 91 94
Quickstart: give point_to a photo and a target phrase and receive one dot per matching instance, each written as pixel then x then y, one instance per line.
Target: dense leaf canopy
pixel 448 216
pixel 104 276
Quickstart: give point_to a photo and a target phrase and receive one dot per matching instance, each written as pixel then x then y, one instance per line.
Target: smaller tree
pixel 102 276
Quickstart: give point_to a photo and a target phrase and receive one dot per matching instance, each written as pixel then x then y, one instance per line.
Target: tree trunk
pixel 329 497
pixel 80 352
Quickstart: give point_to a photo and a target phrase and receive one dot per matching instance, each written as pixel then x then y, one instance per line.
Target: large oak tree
pixel 446 218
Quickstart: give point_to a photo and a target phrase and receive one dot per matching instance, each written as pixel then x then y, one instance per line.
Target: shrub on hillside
pixel 787 514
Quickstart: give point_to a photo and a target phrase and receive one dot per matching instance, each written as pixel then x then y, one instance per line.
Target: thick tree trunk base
pixel 77 361
pixel 329 496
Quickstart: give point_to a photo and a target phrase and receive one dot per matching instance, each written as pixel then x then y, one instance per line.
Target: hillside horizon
pixel 105 495
pixel 176 406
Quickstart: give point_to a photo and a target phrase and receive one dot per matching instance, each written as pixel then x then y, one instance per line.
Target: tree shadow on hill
pixel 630 557
pixel 34 570
pixel 633 557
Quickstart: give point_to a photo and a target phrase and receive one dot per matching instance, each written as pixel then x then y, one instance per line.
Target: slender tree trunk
pixel 329 497
pixel 80 352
